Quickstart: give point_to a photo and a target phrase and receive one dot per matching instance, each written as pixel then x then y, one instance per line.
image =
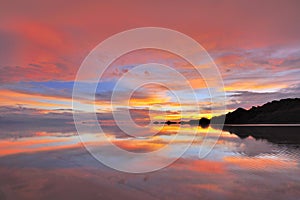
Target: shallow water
pixel 245 163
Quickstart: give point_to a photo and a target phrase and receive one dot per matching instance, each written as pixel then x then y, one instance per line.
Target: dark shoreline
pixel 262 125
pixel 285 112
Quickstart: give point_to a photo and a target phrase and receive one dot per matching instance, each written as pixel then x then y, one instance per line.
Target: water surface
pixel 246 163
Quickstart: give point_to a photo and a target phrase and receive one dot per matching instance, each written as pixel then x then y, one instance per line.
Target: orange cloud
pixel 9 97
pixel 254 85
pixel 44 43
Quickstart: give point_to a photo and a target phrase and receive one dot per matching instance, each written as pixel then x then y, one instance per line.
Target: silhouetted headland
pixel 284 111
pixel 275 115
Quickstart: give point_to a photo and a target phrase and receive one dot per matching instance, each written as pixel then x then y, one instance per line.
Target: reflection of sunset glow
pixel 209 187
pixel 140 145
pixel 201 166
pixel 30 145
pixel 260 163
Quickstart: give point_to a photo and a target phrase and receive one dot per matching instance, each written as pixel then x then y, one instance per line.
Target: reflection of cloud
pixel 201 166
pixel 140 145
pixel 37 144
pixel 209 187
pixel 249 147
pixel 258 163
pixel 21 122
pixel 26 122
pixel 231 178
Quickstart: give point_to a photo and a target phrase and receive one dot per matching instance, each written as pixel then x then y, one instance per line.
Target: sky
pixel 255 44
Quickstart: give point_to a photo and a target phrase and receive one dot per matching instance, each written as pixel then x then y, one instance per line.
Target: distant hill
pixel 285 111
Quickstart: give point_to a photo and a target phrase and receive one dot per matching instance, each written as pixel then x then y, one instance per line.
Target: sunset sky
pixel 255 44
pixel 51 149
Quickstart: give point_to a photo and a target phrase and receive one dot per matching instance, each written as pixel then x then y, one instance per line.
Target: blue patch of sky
pixel 57 87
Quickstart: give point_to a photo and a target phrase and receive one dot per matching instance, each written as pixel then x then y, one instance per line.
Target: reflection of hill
pixel 285 111
pixel 277 135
